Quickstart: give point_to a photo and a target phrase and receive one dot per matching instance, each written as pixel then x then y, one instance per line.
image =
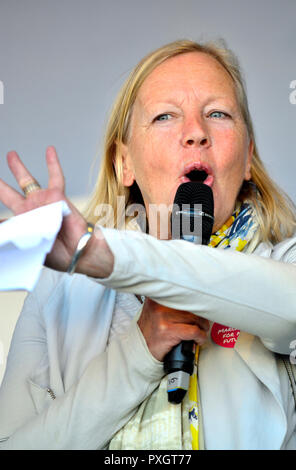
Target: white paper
pixel 25 241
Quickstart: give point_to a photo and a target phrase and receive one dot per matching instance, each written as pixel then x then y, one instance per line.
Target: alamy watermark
pixel 159 220
pixel 293 353
pixel 1 92
pixel 1 353
pixel 292 96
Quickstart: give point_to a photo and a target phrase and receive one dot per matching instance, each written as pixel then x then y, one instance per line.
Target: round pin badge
pixel 224 336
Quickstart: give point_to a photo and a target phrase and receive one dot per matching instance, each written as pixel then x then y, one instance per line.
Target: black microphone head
pixel 193 213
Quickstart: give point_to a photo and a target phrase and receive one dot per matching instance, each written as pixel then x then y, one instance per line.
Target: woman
pixel 85 367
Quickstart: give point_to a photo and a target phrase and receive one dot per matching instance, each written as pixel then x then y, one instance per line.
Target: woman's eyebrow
pixel 225 97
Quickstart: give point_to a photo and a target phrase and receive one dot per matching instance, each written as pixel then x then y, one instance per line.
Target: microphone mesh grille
pixel 189 194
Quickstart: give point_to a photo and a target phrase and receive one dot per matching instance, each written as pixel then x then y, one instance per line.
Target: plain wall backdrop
pixel 63 61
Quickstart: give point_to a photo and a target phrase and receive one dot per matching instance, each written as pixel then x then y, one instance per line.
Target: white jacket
pixel 61 346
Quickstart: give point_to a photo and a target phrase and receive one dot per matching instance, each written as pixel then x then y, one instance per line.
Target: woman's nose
pixel 195 134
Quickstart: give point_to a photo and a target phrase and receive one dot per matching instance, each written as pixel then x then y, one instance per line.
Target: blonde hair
pixel 274 210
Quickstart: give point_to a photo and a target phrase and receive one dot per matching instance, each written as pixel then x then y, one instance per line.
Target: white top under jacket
pixel 78 365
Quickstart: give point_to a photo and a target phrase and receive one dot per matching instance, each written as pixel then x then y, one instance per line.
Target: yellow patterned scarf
pixel 158 424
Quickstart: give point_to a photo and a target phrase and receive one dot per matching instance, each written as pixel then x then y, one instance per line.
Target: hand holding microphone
pixel 164 327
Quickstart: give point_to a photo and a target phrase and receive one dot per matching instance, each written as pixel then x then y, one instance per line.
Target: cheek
pixel 230 160
pixel 153 154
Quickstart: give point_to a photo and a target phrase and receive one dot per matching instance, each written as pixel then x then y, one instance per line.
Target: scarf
pixel 158 424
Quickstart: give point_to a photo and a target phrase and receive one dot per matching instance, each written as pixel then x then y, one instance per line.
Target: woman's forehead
pixel 193 71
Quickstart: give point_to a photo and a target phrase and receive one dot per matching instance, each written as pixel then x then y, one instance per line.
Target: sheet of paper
pixel 25 241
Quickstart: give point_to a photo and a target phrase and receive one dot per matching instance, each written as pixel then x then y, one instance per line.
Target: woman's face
pixel 186 117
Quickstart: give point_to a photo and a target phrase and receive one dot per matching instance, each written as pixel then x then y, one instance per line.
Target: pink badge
pixel 224 335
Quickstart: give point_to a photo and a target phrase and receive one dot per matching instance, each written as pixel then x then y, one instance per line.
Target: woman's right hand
pixel 164 327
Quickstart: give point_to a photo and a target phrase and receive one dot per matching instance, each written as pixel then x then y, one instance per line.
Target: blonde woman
pixel 85 369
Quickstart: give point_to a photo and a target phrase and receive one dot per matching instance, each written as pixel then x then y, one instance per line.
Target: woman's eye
pixel 163 117
pixel 219 114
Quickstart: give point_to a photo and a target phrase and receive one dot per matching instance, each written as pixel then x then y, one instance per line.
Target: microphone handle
pixel 179 362
pixel 178 365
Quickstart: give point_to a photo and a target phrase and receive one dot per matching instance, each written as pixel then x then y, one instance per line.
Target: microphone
pixel 192 220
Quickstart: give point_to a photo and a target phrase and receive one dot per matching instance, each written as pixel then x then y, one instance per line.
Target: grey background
pixel 63 61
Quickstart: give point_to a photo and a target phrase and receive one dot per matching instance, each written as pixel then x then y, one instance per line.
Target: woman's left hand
pixel 164 327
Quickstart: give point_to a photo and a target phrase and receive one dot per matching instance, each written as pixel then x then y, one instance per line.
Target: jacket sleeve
pixel 92 410
pixel 249 292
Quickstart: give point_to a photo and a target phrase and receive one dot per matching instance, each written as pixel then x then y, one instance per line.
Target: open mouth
pixel 197 176
pixel 198 173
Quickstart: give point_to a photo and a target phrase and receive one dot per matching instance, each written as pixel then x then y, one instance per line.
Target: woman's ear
pixel 124 165
pixel 248 175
